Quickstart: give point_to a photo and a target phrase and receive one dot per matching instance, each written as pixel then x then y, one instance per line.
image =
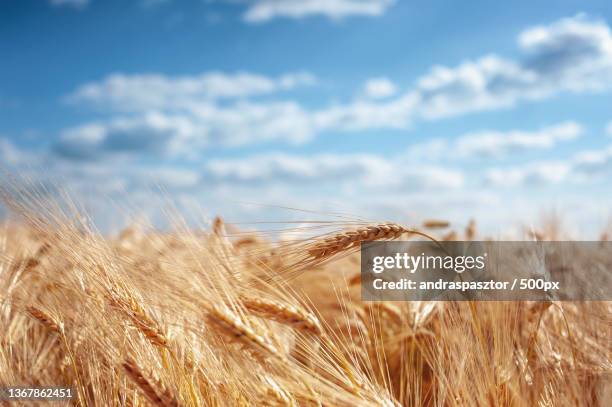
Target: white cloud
pixel 366 170
pixel 173 114
pixel 73 3
pixel 428 177
pixel 585 166
pixel 535 174
pixel 167 177
pixel 187 133
pixel 169 115
pixel 155 91
pixel 368 185
pixel 363 115
pixel 593 164
pixel 150 134
pixel 198 124
pixel 496 144
pixel 293 168
pixel 215 108
pixel 379 88
pixel 485 84
pixel 9 154
pixel 264 10
pixel 249 122
pixel 572 54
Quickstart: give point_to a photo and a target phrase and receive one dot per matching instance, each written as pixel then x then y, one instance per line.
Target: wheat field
pixel 224 317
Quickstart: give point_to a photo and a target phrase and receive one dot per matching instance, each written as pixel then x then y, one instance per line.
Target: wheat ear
pixel 470 230
pixel 162 398
pixel 337 243
pixel 450 236
pixel 284 314
pixel 436 224
pixel 53 326
pixel 44 319
pixel 218 227
pixel 274 390
pixel 233 327
pixel 136 314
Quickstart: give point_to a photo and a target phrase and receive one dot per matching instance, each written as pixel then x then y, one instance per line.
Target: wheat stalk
pixel 53 326
pixel 385 309
pixel 162 398
pixel 218 227
pixel 327 247
pixel 284 314
pixel 450 236
pixel 366 355
pixel 233 327
pixel 470 230
pixel 339 242
pixel 245 241
pixel 274 390
pixel 136 314
pixel 435 224
pixel 44 318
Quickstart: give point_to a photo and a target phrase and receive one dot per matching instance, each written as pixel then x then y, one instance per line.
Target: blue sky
pixel 385 109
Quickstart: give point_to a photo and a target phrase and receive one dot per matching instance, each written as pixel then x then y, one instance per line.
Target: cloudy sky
pixel 383 109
